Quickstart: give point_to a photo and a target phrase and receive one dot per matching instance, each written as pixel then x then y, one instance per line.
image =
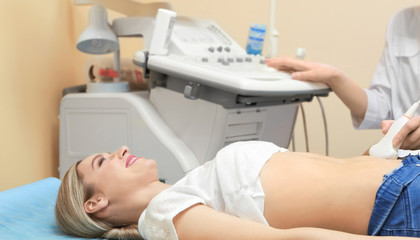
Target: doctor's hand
pixel 352 95
pixel 306 70
pixel 409 135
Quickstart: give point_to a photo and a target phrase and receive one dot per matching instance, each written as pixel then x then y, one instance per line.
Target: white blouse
pixel 229 183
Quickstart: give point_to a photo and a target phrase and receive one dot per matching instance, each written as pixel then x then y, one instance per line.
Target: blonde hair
pixel 72 219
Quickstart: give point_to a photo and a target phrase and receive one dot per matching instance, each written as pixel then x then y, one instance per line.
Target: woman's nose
pixel 121 152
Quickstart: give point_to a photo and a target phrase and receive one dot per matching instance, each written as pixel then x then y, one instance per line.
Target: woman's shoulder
pixel 407 12
pixel 156 221
pixel 403 32
pixel 404 20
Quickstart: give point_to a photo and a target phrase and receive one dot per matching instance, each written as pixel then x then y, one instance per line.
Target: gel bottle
pixel 256 39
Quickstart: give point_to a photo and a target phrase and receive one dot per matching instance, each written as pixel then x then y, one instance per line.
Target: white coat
pixel 396 83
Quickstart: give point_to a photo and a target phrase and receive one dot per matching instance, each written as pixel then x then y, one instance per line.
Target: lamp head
pixel 98 38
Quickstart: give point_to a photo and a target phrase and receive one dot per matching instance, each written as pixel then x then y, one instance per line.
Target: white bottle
pixel 384 148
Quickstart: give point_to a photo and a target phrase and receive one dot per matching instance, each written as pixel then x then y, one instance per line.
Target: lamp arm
pixel 117 65
pixel 129 8
pixel 273 33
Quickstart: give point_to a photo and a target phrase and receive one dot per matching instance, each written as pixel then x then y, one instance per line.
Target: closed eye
pixel 101 160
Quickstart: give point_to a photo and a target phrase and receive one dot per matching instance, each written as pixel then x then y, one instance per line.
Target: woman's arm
pixel 352 95
pixel 204 223
pixel 324 234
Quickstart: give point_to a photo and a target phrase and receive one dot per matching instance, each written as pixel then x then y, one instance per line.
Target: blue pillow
pixel 27 212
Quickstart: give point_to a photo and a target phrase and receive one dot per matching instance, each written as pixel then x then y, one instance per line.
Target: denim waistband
pixel 389 192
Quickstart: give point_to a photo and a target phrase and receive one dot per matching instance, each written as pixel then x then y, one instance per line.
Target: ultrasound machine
pixel 205 92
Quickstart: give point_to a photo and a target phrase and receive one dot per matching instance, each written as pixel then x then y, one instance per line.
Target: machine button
pixel 192 90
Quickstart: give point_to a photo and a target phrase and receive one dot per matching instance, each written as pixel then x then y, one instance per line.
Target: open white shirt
pixel 229 183
pixel 395 85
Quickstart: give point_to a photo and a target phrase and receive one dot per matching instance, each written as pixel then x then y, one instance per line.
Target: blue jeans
pixel 397 205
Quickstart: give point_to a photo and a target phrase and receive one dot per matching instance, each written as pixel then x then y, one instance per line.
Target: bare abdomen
pixel 309 190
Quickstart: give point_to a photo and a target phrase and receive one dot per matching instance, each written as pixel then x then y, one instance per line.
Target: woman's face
pixel 117 174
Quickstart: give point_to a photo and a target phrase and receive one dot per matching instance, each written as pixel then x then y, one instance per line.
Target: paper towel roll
pixel 101 69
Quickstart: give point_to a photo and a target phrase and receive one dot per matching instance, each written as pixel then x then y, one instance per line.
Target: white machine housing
pixel 180 136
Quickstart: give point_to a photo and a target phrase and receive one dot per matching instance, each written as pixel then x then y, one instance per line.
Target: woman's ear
pixel 96 203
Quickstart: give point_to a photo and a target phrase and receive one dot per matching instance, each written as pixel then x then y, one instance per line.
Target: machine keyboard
pixel 247 66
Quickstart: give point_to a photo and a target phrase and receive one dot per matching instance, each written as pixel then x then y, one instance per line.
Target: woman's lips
pixel 130 160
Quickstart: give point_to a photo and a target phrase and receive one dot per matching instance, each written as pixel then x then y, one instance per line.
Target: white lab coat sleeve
pixel 379 93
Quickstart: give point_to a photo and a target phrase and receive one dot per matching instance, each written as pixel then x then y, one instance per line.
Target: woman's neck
pixel 128 211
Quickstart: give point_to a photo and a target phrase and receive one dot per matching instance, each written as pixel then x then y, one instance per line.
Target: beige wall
pixel 38 59
pixel 36 62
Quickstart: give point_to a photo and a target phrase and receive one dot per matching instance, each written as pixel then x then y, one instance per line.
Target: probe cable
pixel 304 127
pixel 306 131
pixel 325 126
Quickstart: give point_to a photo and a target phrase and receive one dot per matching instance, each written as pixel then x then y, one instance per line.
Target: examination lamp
pixel 98 38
